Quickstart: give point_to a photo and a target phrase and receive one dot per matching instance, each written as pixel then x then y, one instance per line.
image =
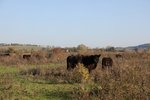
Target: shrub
pixel 87 88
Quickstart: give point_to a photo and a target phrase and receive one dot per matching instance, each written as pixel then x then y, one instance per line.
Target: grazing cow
pixel 90 62
pixel 26 56
pixel 4 54
pixel 107 62
pixel 119 56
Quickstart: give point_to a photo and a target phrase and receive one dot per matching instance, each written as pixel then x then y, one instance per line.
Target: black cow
pixel 72 61
pixel 107 62
pixel 90 62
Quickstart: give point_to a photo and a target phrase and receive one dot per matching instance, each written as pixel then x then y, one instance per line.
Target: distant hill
pixel 139 48
pixel 142 46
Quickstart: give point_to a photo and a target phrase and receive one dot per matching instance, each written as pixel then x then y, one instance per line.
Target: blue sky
pixel 95 23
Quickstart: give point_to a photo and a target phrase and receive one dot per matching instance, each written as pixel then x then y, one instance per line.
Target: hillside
pixel 142 46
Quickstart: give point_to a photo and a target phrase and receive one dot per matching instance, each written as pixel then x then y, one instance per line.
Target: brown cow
pixel 107 62
pixel 119 56
pixel 26 56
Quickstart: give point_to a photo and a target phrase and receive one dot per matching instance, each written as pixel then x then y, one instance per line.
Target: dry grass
pixel 128 79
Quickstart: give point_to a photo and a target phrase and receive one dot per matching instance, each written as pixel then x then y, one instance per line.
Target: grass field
pixel 128 79
pixel 14 86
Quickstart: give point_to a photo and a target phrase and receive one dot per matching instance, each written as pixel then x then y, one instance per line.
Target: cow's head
pixel 96 58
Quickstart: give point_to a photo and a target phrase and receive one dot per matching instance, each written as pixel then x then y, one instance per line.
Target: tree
pixel 110 48
pixel 82 48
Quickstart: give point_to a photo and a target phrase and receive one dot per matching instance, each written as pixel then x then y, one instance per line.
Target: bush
pixel 87 88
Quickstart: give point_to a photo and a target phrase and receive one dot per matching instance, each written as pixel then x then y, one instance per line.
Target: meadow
pixel 46 78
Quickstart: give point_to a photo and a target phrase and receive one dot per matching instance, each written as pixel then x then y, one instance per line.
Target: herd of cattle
pixel 24 56
pixel 90 61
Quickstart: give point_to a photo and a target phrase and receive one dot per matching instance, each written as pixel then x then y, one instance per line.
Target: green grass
pixel 49 65
pixel 8 69
pixel 13 86
pixel 38 91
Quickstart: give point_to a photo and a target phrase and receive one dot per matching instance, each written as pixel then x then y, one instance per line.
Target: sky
pixel 68 23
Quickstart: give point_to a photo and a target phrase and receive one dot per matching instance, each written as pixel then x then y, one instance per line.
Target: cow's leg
pixel 89 70
pixel 103 66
